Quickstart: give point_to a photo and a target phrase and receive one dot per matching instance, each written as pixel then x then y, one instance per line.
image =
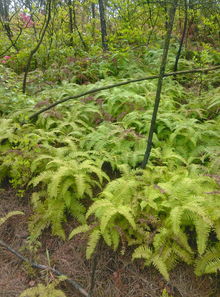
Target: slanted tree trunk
pixel 76 27
pixel 103 25
pixel 182 37
pixel 34 50
pixel 172 12
pixel 4 18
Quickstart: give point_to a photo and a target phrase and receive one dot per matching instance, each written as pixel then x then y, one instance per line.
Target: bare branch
pixel 45 267
pixel 36 114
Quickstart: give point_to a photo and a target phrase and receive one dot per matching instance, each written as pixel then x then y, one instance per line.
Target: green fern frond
pixel 182 253
pixel 57 178
pixel 42 177
pixel 80 229
pixel 127 213
pixel 41 290
pixel 142 252
pixel 104 203
pixel 107 236
pixel 106 217
pixel 115 238
pixel 175 218
pixel 8 215
pixel 161 266
pixel 202 233
pixel 92 242
pixel 209 262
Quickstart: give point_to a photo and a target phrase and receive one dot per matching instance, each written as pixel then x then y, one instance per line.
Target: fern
pixel 10 214
pixel 44 290
pixel 92 242
pixel 209 262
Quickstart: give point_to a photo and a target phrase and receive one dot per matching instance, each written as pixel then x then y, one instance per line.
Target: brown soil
pixel 116 275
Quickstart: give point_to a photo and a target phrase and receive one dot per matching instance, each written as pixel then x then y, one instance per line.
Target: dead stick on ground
pixel 45 267
pixel 35 115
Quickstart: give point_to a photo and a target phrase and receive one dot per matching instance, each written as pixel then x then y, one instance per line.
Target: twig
pixel 45 267
pixel 35 115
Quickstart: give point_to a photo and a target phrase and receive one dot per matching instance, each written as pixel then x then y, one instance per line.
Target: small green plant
pixel 42 290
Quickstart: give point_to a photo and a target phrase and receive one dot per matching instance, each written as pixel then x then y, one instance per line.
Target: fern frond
pixel 209 262
pixel 104 203
pixel 182 253
pixel 175 218
pixel 8 215
pixel 202 233
pixel 127 213
pixel 42 177
pixel 161 266
pixel 92 242
pixel 142 252
pixel 106 217
pixel 80 229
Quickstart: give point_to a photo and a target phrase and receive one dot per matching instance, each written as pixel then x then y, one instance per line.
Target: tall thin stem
pixel 172 12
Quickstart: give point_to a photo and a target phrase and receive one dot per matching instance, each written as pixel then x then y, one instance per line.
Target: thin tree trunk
pixel 70 7
pixel 172 12
pixel 4 17
pixel 36 47
pixel 77 29
pixel 93 19
pixel 103 25
pixel 182 38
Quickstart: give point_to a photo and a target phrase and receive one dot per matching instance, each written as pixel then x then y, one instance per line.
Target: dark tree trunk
pixel 172 12
pixel 70 7
pixel 182 37
pixel 4 17
pixel 93 19
pixel 103 25
pixel 34 50
pixel 77 29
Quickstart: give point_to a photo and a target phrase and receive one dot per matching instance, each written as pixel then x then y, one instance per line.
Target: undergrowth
pixel 82 160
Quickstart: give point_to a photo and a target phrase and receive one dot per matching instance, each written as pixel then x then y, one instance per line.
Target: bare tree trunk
pixel 182 37
pixel 70 7
pixel 33 51
pixel 172 12
pixel 93 19
pixel 4 17
pixel 77 29
pixel 103 25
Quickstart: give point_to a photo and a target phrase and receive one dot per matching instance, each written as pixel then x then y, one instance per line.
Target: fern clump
pixel 67 178
pixel 157 211
pixel 48 290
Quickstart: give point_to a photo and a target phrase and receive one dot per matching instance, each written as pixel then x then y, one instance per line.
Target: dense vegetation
pixel 83 158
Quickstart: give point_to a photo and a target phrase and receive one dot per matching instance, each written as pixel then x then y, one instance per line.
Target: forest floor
pixel 116 275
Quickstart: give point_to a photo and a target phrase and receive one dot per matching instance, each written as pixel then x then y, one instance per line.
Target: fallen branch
pixel 45 267
pixel 36 114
